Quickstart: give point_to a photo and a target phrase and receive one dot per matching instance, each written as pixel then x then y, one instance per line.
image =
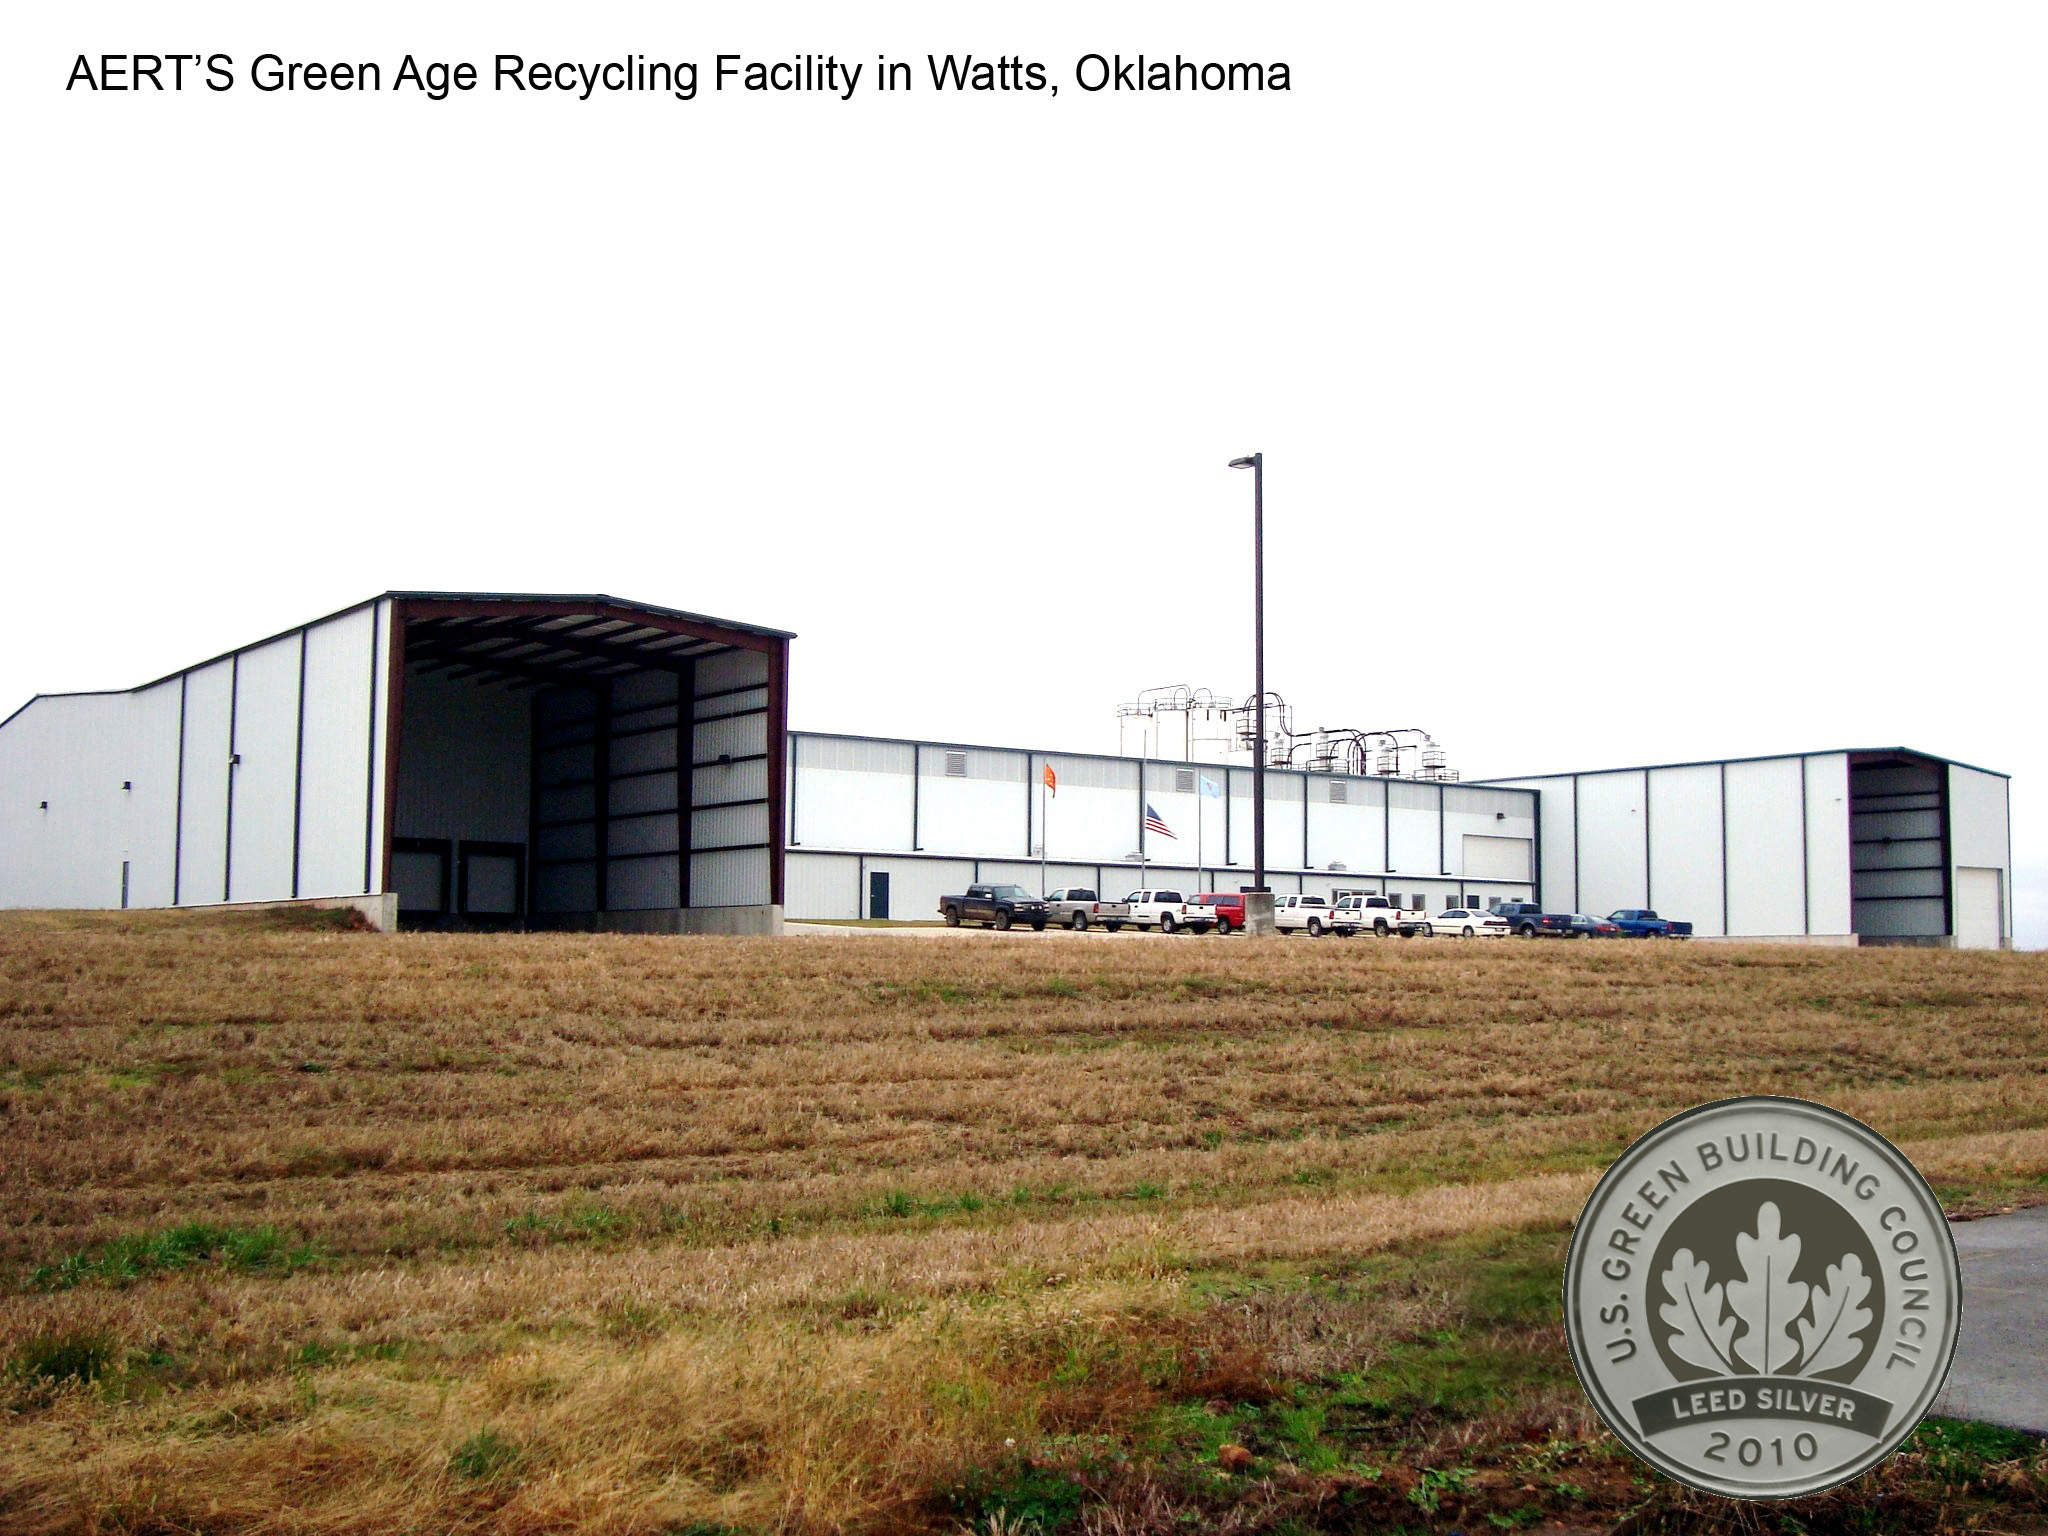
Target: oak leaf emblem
pixel 1766 1304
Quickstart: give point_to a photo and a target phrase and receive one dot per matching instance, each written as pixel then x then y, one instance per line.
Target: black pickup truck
pixel 998 906
pixel 1527 920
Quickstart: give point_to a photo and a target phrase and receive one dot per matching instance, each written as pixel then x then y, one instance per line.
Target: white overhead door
pixel 1980 908
pixel 1496 858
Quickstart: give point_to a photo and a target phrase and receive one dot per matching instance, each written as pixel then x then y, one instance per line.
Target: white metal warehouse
pixel 1875 846
pixel 477 759
pixel 551 760
pixel 883 827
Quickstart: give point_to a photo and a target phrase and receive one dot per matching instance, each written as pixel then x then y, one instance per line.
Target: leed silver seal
pixel 1762 1297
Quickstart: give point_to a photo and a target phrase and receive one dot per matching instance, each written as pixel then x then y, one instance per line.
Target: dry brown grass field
pixel 310 1230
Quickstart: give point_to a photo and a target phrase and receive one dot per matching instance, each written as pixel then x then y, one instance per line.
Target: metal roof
pixel 511 600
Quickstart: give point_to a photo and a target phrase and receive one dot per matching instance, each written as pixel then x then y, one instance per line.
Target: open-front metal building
pixel 436 758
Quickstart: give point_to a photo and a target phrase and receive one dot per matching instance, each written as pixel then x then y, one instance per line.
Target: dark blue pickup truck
pixel 1642 923
pixel 1529 921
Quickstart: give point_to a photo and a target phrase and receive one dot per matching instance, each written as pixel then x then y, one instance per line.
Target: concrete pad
pixel 2001 1367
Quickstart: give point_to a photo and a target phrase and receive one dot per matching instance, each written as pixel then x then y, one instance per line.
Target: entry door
pixel 878 893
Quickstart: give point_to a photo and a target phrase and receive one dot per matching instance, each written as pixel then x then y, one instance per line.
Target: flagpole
pixel 1043 839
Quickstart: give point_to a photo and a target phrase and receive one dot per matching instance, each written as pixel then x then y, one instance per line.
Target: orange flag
pixel 1052 780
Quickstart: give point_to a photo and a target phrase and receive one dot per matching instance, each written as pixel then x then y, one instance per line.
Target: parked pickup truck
pixel 1073 906
pixel 998 906
pixel 1361 912
pixel 1642 923
pixel 1529 921
pixel 1312 915
pixel 1164 910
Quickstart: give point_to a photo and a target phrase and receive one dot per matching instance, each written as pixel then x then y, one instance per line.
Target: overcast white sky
pixel 1637 383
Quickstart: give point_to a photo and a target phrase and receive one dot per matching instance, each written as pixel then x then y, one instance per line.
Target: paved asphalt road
pixel 2001 1369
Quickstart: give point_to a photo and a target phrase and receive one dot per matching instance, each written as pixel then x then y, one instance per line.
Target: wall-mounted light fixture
pixel 234 759
pixel 127 783
pixel 1500 815
pixel 44 806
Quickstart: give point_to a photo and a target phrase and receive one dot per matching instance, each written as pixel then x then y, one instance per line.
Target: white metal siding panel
pixel 1414 834
pixel 1350 834
pixel 152 804
pixel 334 795
pixel 1827 842
pixel 66 751
pixel 209 699
pixel 380 726
pixel 1096 824
pixel 1766 866
pixel 1977 817
pixel 1685 845
pixel 973 815
pixel 820 885
pixel 1611 841
pixel 850 794
pixel 266 779
pixel 734 879
pixel 915 885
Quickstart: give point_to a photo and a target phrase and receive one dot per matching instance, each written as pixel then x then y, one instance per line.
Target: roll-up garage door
pixel 1496 858
pixel 1980 908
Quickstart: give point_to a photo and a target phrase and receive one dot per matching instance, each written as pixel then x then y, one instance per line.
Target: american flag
pixel 1154 824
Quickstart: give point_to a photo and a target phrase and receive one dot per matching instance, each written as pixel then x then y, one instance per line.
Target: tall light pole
pixel 1258 915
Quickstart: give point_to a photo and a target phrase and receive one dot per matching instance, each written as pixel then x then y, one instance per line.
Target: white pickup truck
pixel 1312 915
pixel 1365 912
pixel 1164 910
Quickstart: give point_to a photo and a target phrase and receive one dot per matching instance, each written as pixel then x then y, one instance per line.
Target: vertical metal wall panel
pixel 1350 834
pixel 152 808
pixel 380 744
pixel 267 777
pixel 644 884
pixel 463 760
pixel 976 815
pixel 915 885
pixel 1557 848
pixel 1827 842
pixel 734 826
pixel 1980 839
pixel 1284 844
pixel 849 794
pixel 1612 843
pixel 1412 833
pixel 733 879
pixel 68 751
pixel 1089 823
pixel 334 783
pixel 203 829
pixel 731 669
pixel 1766 866
pixel 824 885
pixel 1685 845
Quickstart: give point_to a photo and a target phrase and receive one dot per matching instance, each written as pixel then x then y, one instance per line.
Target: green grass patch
pixel 484 1455
pixel 247 1250
pixel 64 1357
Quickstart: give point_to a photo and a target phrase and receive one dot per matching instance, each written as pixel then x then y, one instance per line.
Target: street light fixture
pixel 1262 908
